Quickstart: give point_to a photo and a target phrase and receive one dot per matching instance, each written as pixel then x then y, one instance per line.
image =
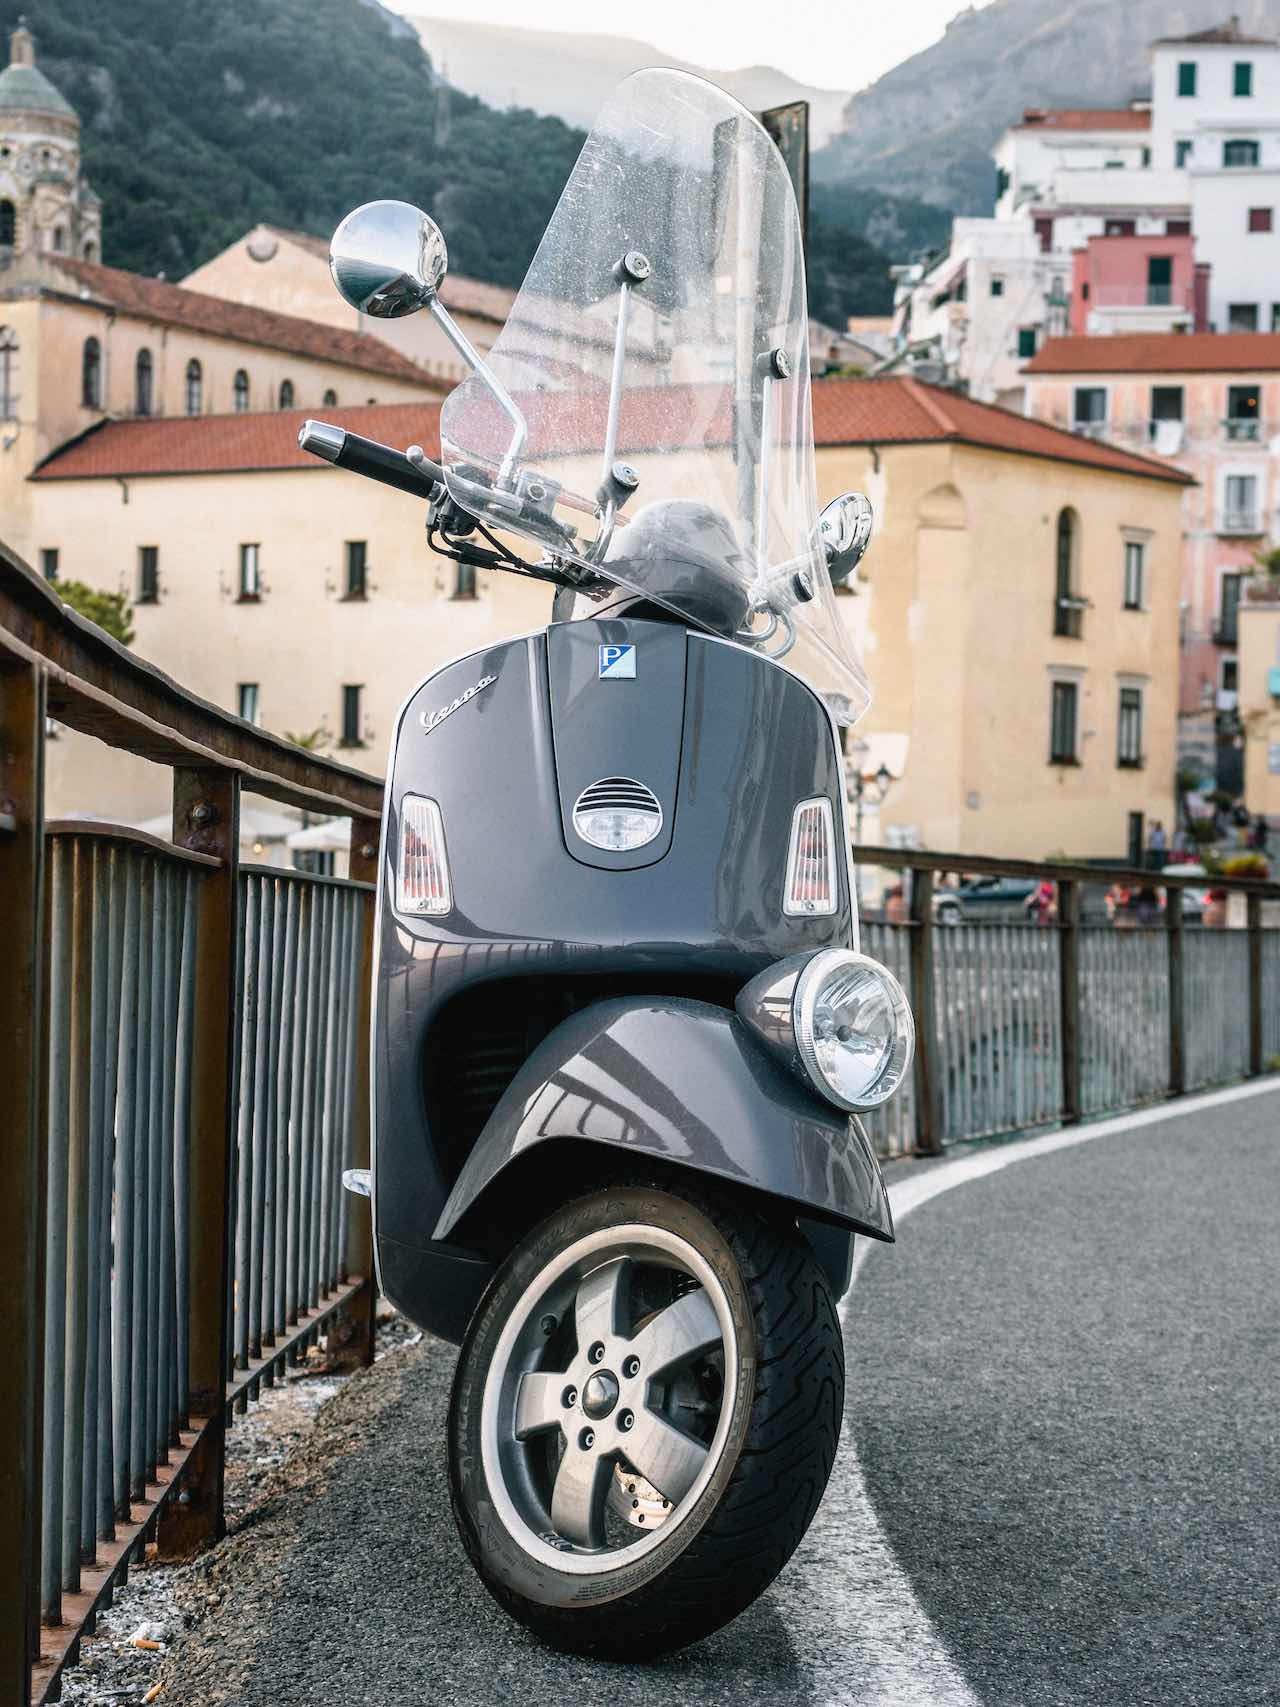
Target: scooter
pixel 622 1028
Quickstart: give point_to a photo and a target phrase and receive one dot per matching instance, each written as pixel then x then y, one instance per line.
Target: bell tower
pixel 46 207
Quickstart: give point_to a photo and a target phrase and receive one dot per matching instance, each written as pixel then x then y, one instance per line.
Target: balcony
pixel 1068 617
pixel 1226 631
pixel 1090 429
pixel 1246 523
pixel 1181 296
pixel 1243 429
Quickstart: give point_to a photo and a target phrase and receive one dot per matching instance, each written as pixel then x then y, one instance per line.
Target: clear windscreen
pixel 647 415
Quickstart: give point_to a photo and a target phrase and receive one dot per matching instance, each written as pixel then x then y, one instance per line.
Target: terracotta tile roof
pixel 1085 118
pixel 175 305
pixel 846 412
pixel 462 294
pixel 1160 352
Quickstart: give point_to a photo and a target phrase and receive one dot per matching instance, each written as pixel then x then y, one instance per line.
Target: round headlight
pixel 853 1028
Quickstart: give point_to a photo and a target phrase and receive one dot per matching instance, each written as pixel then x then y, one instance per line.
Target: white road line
pixel 854 1620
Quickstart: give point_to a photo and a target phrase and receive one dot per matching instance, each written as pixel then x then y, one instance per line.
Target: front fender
pixel 688 1084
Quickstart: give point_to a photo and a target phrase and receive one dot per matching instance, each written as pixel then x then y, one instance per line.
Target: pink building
pixel 1125 281
pixel 1210 403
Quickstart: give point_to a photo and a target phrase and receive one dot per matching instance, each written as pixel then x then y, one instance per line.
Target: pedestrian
pixel 1179 846
pixel 1156 846
pixel 1260 834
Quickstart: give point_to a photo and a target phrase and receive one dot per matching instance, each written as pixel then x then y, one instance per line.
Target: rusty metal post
pixel 206 817
pixel 1177 998
pixel 1255 985
pixel 22 713
pixel 351 1334
pixel 928 1125
pixel 1069 996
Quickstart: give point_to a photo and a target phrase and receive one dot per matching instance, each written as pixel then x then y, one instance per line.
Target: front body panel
pixel 727 741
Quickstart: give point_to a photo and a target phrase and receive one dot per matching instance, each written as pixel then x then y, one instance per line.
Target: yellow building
pixel 306 597
pixel 1259 628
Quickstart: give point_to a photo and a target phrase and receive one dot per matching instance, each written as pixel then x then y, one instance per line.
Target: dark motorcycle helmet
pixel 686 555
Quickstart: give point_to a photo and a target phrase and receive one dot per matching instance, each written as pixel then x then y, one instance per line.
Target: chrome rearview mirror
pixel 844 529
pixel 388 259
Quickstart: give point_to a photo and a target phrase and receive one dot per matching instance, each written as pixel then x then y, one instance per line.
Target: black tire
pixel 772 1469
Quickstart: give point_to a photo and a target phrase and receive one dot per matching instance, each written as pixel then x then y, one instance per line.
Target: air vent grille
pixel 618 814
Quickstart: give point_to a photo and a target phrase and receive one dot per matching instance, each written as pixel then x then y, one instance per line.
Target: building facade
pixel 1260 696
pixel 1211 405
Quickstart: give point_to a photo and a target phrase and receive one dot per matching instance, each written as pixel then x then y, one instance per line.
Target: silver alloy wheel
pixel 585 1378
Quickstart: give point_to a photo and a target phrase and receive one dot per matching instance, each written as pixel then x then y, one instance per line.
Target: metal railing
pixel 1021 1025
pixel 183 1048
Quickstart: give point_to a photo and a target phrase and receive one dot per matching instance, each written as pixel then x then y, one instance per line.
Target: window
pixel 148 574
pixel 1187 77
pixel 1242 77
pixel 1084 290
pixel 8 374
pixel 1146 156
pixel 8 224
pixel 247 702
pixel 1227 629
pixel 240 391
pixel 1177 228
pixel 1166 405
pixel 1135 566
pixel 1003 181
pixel 1129 733
pixel 351 716
pixel 1089 409
pixel 1237 152
pixel 1242 317
pixel 1114 165
pixel 997 286
pixel 1026 342
pixel 1119 227
pixel 330 399
pixel 464 581
pixel 1229 675
pixel 49 562
pixel 250 575
pixel 1044 234
pixel 357 569
pixel 1259 219
pixel 195 387
pixel 1067 608
pixel 1159 281
pixel 91 374
pixel 1182 150
pixel 142 377
pixel 1244 410
pixel 1062 723
pixel 1275 316
pixel 1239 504
pixel 286 394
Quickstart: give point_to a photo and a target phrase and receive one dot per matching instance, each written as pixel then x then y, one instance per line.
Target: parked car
pixel 1194 899
pixel 991 899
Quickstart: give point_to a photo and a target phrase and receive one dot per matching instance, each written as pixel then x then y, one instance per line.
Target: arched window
pixel 59 238
pixel 195 387
pixel 331 399
pixel 1067 608
pixel 240 386
pixel 142 375
pixel 286 394
pixel 8 374
pixel 91 374
pixel 8 225
pixel 90 251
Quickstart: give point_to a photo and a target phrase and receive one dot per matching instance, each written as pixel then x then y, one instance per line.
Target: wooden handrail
pixel 1056 871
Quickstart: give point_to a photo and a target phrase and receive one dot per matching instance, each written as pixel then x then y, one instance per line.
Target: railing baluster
pixel 182 1142
pixel 1254 926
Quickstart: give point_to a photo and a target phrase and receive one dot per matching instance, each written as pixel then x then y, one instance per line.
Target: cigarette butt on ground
pixel 145 1642
pixel 153 1693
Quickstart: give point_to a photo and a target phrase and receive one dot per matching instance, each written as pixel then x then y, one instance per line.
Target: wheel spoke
pixel 596 1309
pixel 683 1330
pixel 539 1403
pixel 664 1456
pixel 578 1498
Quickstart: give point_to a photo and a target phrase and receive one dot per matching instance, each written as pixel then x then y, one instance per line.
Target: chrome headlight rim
pixel 804 1003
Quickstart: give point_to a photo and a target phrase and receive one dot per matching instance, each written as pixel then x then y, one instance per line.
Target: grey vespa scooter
pixel 622 1025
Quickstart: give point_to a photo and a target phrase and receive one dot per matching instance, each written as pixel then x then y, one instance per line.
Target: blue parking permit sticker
pixel 617 662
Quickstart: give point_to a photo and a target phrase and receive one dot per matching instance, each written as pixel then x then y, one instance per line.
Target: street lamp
pixel 874 788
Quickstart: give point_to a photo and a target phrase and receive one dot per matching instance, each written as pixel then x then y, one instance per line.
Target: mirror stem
pixel 615 381
pixel 476 362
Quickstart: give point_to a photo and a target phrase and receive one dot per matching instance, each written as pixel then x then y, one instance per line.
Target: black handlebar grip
pixel 368 457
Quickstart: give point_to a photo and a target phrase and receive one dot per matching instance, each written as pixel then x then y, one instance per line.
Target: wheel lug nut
pixel 631 1367
pixel 587 1439
pixel 596 1354
pixel 625 1420
pixel 569 1397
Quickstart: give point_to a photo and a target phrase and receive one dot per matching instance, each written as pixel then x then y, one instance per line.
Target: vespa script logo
pixel 433 719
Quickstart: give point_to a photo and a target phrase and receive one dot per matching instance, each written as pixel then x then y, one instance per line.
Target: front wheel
pixel 644 1418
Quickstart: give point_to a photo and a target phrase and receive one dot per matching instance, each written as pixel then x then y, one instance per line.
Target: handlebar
pixel 418 475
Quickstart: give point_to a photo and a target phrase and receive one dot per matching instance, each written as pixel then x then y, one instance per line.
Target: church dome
pixel 23 89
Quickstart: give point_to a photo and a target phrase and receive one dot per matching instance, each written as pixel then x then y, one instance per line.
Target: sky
pixel 806 38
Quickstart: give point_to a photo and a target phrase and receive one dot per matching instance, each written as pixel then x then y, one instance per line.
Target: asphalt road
pixel 1060 1481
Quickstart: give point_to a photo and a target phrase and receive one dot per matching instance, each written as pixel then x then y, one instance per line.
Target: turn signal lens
pixel 422 872
pixel 811 860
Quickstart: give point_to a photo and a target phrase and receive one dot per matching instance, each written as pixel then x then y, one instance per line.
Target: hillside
pixel 571 75
pixel 294 111
pixel 926 128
